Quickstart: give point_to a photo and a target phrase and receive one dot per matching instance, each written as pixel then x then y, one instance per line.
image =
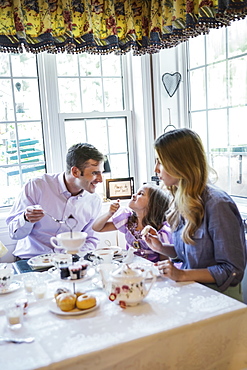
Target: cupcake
pixel 77 270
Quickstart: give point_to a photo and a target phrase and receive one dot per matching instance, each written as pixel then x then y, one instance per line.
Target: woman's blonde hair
pixel 183 157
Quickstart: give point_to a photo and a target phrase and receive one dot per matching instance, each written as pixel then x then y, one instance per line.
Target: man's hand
pixel 33 214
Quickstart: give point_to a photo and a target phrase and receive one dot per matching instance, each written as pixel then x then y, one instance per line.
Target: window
pixel 81 99
pixel 94 87
pixel 21 139
pixel 218 102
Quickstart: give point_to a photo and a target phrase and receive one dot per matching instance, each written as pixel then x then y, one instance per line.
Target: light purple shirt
pixel 50 192
pixel 133 237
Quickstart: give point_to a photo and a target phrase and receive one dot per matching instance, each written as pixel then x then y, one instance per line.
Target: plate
pixel 75 312
pixel 43 260
pixel 55 273
pixel 14 285
pixel 120 256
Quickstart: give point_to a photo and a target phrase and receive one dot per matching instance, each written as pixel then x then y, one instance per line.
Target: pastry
pixel 78 293
pixel 60 291
pixel 77 270
pixel 85 301
pixel 146 230
pixel 66 301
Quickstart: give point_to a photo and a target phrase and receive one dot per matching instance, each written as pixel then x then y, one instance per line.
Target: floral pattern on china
pixel 128 286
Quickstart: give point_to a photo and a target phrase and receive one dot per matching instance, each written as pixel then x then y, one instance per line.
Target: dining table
pixel 177 326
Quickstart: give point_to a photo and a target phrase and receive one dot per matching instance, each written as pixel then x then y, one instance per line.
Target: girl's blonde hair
pixel 182 155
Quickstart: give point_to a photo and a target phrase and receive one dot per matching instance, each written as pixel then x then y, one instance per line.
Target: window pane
pixel 113 94
pixel 217 89
pixel 90 65
pixel 7 136
pixel 75 132
pixel 220 163
pixel 6 100
pixel 111 65
pixel 69 95
pixel 239 173
pixel 218 129
pixel 238 81
pixel 117 129
pixel 65 60
pixel 10 186
pixel 197 89
pixel 216 45
pixel 4 65
pixel 119 166
pixel 24 65
pixel 26 99
pixel 92 99
pixel 237 38
pixel 196 51
pixel 100 140
pixel 237 126
pixel 199 124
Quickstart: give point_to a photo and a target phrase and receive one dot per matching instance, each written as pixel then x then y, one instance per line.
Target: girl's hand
pixel 114 207
pixel 167 269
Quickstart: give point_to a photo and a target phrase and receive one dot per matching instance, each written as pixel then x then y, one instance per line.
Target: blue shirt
pixel 219 241
pixel 50 192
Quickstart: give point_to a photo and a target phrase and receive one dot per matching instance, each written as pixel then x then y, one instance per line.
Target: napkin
pixel 130 255
pixel 3 250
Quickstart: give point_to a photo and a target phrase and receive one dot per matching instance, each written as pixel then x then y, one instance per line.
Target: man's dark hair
pixel 79 154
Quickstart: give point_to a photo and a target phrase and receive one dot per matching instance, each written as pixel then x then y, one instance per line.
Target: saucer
pixel 14 285
pixel 55 273
pixel 43 260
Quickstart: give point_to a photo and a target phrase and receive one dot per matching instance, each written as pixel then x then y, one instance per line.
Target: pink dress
pixel 133 237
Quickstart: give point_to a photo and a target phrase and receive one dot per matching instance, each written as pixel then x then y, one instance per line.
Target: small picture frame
pixel 122 188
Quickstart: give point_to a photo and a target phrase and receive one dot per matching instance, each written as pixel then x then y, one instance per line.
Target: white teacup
pixel 6 276
pixel 70 241
pixel 103 255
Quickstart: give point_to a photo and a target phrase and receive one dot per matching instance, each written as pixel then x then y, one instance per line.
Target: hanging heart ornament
pixel 171 82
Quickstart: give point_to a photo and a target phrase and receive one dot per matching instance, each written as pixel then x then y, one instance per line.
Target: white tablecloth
pixel 177 326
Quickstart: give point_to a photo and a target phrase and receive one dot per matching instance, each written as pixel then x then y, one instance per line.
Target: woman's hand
pixel 167 269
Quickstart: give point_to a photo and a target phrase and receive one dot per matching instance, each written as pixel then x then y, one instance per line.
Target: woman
pixel 147 207
pixel 208 232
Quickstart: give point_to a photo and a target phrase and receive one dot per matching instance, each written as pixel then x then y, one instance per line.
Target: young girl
pixel 147 207
pixel 207 228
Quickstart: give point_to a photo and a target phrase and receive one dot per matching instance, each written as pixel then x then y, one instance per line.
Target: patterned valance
pixel 99 26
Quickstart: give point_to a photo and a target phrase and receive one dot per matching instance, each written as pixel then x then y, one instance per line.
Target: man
pixel 60 195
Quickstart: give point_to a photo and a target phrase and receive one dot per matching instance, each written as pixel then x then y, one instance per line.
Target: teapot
pixel 127 286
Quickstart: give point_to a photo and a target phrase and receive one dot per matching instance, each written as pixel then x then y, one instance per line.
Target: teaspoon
pixel 17 340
